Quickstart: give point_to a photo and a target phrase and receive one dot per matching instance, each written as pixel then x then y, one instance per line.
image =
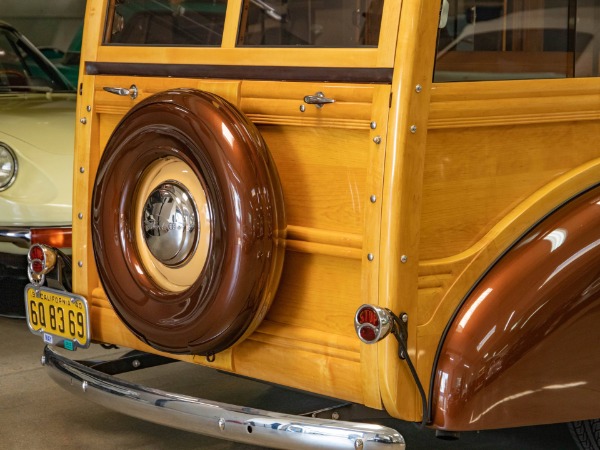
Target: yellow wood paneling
pixel 404 162
pixel 496 167
pixel 330 164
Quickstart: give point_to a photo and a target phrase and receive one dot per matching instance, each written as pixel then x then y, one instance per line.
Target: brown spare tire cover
pixel 188 222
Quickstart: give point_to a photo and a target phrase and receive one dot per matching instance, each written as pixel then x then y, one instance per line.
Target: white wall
pixel 45 22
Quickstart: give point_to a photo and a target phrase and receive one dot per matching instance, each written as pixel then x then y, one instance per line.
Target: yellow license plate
pixel 60 317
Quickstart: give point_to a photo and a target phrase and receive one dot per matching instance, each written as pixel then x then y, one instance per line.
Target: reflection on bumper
pixel 58 236
pixel 20 236
pixel 236 423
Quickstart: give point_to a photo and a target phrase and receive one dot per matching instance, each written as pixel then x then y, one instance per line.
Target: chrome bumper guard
pixel 220 420
pixel 20 236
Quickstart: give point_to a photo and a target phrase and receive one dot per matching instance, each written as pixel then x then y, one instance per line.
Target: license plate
pixel 60 317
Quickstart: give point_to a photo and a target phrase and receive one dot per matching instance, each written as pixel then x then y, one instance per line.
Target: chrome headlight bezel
pixel 5 148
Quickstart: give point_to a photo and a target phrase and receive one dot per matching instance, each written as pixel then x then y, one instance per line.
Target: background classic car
pixel 294 199
pixel 37 113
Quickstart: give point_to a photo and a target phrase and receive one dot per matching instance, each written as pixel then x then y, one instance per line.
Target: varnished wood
pixel 448 175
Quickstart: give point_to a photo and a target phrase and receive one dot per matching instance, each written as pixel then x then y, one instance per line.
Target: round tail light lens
pixel 372 323
pixel 40 260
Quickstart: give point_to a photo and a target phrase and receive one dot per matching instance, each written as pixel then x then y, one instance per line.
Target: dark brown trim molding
pixel 268 73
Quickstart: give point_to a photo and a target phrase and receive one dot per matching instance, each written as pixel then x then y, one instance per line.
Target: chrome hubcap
pixel 170 224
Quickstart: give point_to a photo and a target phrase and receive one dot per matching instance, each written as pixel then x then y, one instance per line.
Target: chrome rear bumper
pixel 20 236
pixel 220 420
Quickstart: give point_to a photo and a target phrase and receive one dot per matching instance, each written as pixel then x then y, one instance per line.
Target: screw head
pixel 403 259
pixel 413 129
pixel 88 108
pixel 377 139
pixel 373 198
pixel 373 125
pixel 83 120
pixel 418 88
pixel 81 169
pixel 80 216
pixel 370 257
pixel 221 424
pixel 358 444
pixel 302 108
pixel 80 263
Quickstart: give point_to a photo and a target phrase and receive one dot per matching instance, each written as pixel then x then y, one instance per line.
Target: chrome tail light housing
pixel 41 259
pixel 373 323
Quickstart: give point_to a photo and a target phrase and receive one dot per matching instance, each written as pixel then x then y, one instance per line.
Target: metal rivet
pixel 358 444
pixel 88 108
pixel 84 386
pixel 302 108
pixel 43 361
pixel 83 120
pixel 82 169
pixel 222 424
pixel 370 257
pixel 404 317
pixel 136 363
pixel 335 415
pixel 80 263
pixel 418 88
pixel 413 128
pixel 373 198
pixel 80 216
pixel 403 258
pixel 377 139
pixel 373 125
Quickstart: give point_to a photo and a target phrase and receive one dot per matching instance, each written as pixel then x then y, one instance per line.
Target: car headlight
pixel 8 166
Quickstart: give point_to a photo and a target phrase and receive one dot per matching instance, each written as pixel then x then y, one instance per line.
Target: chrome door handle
pixel 131 92
pixel 318 99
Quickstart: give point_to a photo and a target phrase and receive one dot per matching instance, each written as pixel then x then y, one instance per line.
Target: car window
pixel 316 23
pixel 23 68
pixel 166 22
pixel 485 40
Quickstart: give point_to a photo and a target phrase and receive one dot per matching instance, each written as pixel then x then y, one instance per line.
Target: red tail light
pixel 40 260
pixel 372 323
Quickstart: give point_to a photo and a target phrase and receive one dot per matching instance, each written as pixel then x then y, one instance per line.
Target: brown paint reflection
pixel 523 349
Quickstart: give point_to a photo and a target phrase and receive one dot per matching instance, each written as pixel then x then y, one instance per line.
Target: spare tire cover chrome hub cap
pixel 170 224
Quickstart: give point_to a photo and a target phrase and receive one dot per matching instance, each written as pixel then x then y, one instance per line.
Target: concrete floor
pixel 35 413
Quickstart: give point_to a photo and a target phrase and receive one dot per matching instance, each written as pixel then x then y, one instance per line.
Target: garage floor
pixel 35 413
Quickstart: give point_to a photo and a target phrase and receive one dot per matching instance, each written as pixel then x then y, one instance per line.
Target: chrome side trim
pixel 20 236
pixel 220 420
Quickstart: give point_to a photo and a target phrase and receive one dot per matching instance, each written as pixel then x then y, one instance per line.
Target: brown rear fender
pixel 523 347
pixel 188 222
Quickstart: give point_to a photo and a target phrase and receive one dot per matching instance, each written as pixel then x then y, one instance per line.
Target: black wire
pixel 413 371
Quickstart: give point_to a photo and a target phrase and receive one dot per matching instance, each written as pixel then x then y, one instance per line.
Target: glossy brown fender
pixel 244 253
pixel 523 347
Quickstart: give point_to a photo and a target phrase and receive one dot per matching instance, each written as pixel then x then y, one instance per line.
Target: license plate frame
pixel 60 317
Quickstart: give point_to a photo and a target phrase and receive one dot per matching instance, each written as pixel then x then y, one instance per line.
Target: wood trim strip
pixel 269 73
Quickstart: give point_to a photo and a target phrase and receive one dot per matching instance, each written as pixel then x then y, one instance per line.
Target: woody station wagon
pixel 397 202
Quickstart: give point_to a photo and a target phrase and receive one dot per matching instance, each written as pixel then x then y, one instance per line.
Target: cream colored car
pixel 37 107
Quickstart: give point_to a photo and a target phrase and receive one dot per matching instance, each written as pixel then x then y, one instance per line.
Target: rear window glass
pixel 312 23
pixel 166 22
pixel 269 23
pixel 485 40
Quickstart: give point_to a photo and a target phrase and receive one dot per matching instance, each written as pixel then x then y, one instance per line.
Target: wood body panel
pixel 518 158
pixel 328 173
pixel 399 195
